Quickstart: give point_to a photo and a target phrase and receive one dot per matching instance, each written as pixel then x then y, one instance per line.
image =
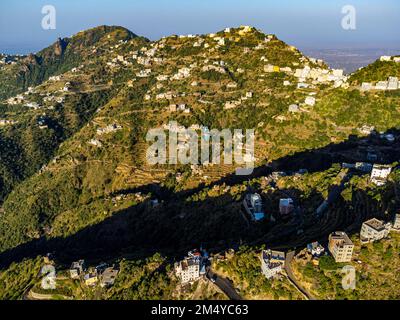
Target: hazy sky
pixel 303 23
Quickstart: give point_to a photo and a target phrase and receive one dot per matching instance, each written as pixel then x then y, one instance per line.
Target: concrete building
pixel 366 86
pixel 310 101
pixel 382 85
pixel 77 268
pixel 380 174
pixel 91 279
pixel 272 263
pixel 316 249
pixel 286 206
pixel 108 277
pixel 293 108
pixel 188 270
pixel 373 230
pixel 393 83
pixel 385 58
pixel 396 222
pixel 340 246
pixel 253 205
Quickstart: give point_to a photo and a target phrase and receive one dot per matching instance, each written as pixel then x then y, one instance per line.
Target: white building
pixel 380 174
pixel 316 249
pixel 393 83
pixel 373 230
pixel 385 58
pixel 188 270
pixel 272 263
pixel 396 222
pixel 253 205
pixel 294 108
pixel 310 101
pixel 382 85
pixel 366 86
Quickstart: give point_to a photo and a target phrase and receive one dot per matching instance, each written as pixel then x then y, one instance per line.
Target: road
pixel 225 285
pixel 292 278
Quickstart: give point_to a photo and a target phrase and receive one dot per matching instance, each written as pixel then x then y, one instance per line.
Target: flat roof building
pixel 272 263
pixel 373 230
pixel 340 246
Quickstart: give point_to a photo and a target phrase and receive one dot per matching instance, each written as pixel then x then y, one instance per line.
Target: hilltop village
pixel 78 194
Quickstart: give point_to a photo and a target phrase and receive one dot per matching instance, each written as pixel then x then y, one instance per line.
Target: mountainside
pixel 36 122
pixel 73 171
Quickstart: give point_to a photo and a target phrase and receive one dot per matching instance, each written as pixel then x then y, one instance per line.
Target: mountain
pixel 75 179
pixel 26 146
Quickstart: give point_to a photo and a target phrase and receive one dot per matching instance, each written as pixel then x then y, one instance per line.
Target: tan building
pixel 340 246
pixel 373 230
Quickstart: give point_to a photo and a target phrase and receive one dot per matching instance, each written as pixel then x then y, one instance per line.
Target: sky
pixel 307 24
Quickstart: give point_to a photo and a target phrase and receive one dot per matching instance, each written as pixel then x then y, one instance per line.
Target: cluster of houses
pixel 340 246
pixel 389 59
pixel 234 104
pixel 108 129
pixel 5 122
pixel 9 59
pixel 391 84
pixel 102 274
pixel 192 267
pixel 253 205
pixel 379 172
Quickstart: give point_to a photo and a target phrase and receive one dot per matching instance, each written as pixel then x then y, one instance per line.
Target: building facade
pixel 340 246
pixel 272 263
pixel 188 270
pixel 373 230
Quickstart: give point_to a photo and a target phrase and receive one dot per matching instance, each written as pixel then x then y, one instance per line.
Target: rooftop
pixel 376 224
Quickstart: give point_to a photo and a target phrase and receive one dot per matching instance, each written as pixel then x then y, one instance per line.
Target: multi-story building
pixel 380 174
pixel 272 263
pixel 373 230
pixel 188 270
pixel 340 246
pixel 253 205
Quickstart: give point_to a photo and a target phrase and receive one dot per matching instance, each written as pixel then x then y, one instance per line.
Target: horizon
pixel 376 21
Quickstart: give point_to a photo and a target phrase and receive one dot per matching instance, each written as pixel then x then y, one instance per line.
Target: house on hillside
pixel 189 269
pixel 286 206
pixel 272 263
pixel 396 222
pixel 374 230
pixel 253 205
pixel 340 246
pixel 316 249
pixel 108 277
pixel 380 174
pixel 77 268
pixel 91 279
pixel 310 101
pixel 385 58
